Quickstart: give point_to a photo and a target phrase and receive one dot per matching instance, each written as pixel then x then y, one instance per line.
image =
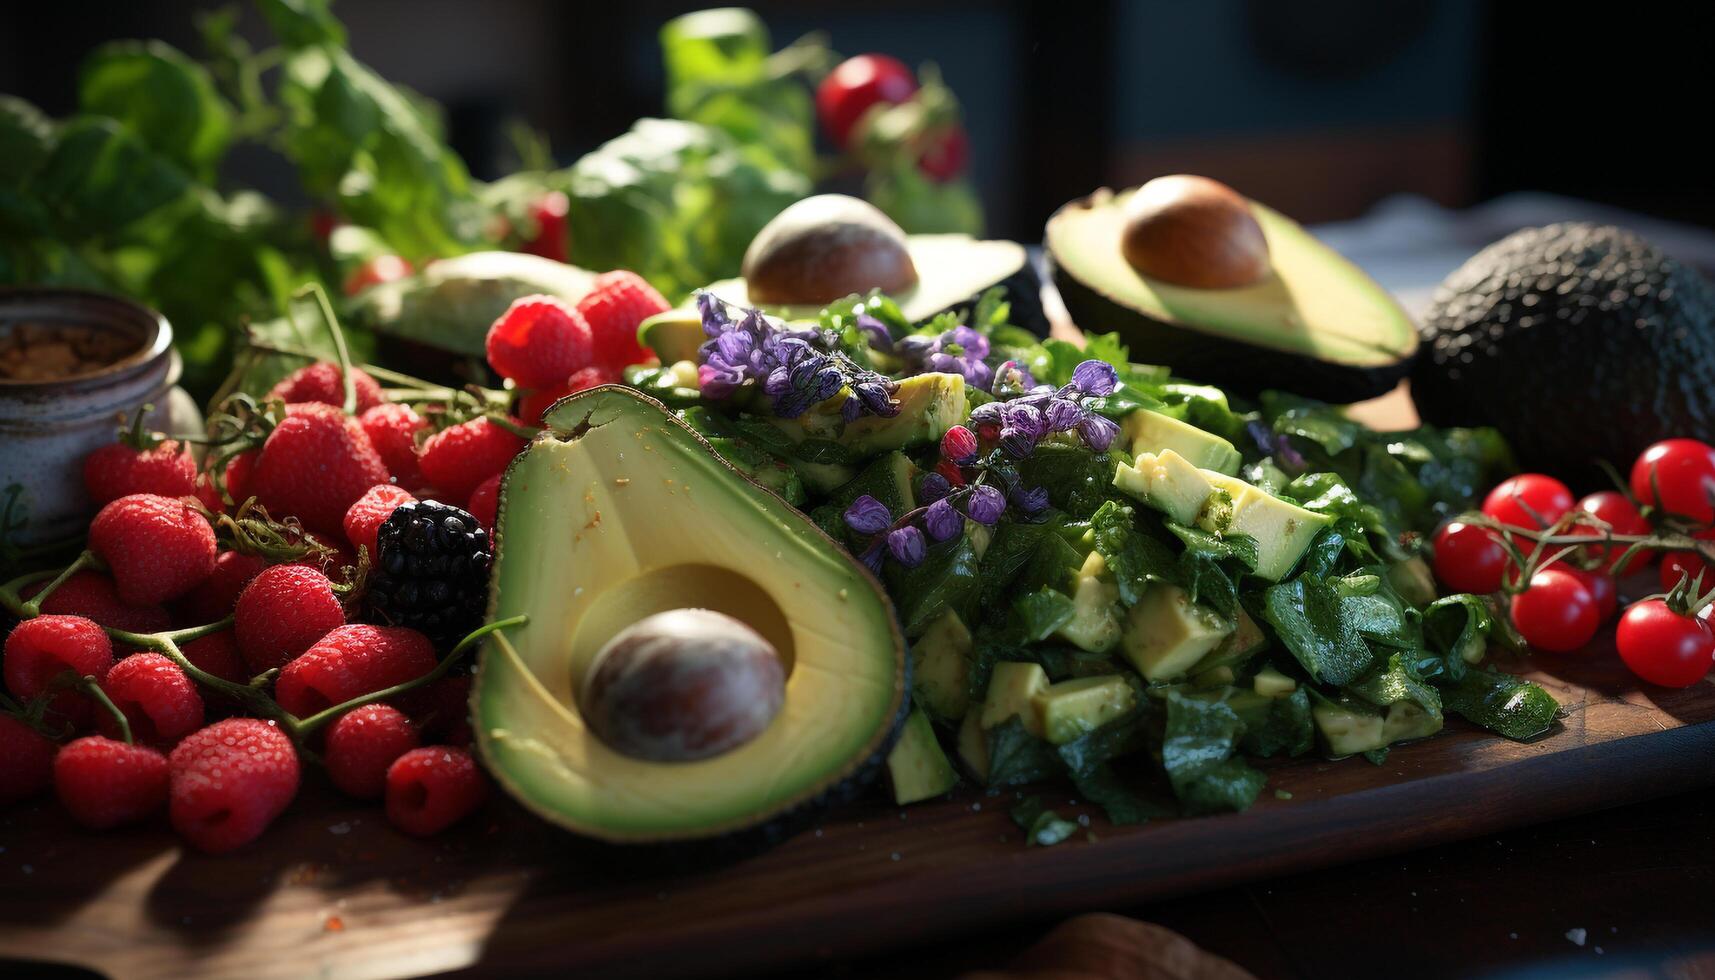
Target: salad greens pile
pixel 127 194
pixel 990 532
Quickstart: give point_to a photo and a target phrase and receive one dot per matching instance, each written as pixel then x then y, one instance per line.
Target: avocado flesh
pixel 929 405
pixel 1152 432
pixel 1318 325
pixel 917 767
pixel 451 303
pixel 941 667
pixel 1076 707
pixel 952 272
pixel 617 511
pixel 1283 530
pixel 1166 482
pixel 1166 634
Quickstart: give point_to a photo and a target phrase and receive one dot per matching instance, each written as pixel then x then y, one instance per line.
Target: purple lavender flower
pixel 906 546
pixel 932 488
pixel 960 351
pixel 1097 431
pixel 875 332
pixel 1033 500
pixel 1011 379
pixel 988 413
pixel 796 368
pixel 1096 379
pixel 1022 426
pixel 942 521
pixel 867 515
pixel 1063 414
pixel 985 505
pixel 872 558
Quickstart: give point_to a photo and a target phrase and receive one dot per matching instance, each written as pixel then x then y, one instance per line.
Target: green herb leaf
pixel 1042 826
pixel 163 98
pixel 1198 751
pixel 1310 618
pixel 1017 757
pixel 1135 558
pixel 948 578
pixel 1287 727
pixel 1042 612
pixel 1502 703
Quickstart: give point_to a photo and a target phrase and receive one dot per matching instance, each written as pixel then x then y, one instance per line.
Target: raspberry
pixel 217 654
pixel 350 662
pixel 595 374
pixel 239 470
pixel 229 781
pixel 158 548
pixel 26 761
pixel 484 502
pixel 314 466
pixel 322 382
pixel 156 697
pixel 39 651
pixel 430 789
pixel 365 517
pixel 105 783
pixel 538 341
pixel 392 429
pixel 959 445
pixel 213 600
pixel 617 305
pixel 362 744
pixel 119 470
pixel 282 613
pixel 441 708
pixel 459 458
pixel 93 595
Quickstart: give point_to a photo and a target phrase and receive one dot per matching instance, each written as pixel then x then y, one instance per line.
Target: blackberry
pixel 432 572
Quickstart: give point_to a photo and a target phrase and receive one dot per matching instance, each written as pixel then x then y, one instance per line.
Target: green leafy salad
pixel 1109 575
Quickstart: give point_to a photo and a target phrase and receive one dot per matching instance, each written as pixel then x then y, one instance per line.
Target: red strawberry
pixel 93 595
pixel 365 517
pixel 239 470
pixel 457 459
pixel 536 403
pixel 323 383
pixel 213 600
pixel 282 613
pixel 352 661
pixel 208 495
pixel 105 783
pixel 229 781
pixel 118 471
pixel 485 502
pixel 216 653
pixel 314 466
pixel 430 789
pixel 158 548
pixel 550 241
pixel 618 304
pixel 592 376
pixel 26 761
pixel 362 744
pixel 538 341
pixel 40 651
pixel 155 696
pixel 392 429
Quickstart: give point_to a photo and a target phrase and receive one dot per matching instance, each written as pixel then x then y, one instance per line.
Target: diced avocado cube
pixel 1406 720
pixel 1094 566
pixel 1168 482
pixel 929 405
pixel 1152 432
pixel 1244 642
pixel 974 747
pixel 941 667
pixel 1283 530
pixel 1348 729
pixel 1095 623
pixel 1166 633
pixel 685 374
pixel 1012 691
pixel 1413 580
pixel 1072 708
pixel 917 767
pixel 1271 683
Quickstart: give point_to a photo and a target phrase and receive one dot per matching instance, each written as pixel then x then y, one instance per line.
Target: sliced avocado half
pixel 450 305
pixel 618 511
pixel 1313 323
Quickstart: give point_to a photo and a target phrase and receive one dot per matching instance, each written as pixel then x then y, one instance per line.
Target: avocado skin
pixel 1579 342
pixel 1238 367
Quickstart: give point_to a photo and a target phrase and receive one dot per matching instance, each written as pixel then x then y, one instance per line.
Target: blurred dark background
pixel 1321 109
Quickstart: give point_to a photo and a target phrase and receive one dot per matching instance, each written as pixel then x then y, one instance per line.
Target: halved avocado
pixel 1313 323
pixel 618 511
pixel 450 305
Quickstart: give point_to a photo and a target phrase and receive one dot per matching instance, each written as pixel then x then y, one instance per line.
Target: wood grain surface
pixel 334 891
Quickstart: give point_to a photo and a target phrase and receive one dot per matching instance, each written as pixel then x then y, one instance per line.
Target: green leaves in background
pixel 165 99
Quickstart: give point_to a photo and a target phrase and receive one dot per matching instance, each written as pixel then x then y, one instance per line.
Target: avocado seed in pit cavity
pixel 824 248
pixel 1193 231
pixel 682 685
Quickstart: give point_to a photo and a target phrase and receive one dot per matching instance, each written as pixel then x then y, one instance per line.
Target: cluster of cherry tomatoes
pixel 859 84
pixel 1562 594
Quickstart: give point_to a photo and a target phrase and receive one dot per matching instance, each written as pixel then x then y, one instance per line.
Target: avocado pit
pixel 683 685
pixel 825 248
pixel 1193 231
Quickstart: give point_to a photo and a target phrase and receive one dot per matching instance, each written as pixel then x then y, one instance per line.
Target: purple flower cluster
pixel 941 519
pixel 795 368
pixel 1022 422
pixel 960 350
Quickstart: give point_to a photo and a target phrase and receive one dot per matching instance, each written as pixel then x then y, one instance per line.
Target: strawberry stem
pixel 89 687
pixel 33 607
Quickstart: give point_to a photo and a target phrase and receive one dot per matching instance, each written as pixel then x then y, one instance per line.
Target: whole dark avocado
pixel 1579 342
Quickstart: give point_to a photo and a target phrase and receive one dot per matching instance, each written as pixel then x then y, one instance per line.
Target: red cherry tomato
pixel 1556 613
pixel 1684 472
pixel 1469 558
pixel 382 268
pixel 1679 565
pixel 1621 515
pixel 549 213
pixel 1602 589
pixel 1663 647
pixel 1514 501
pixel 946 154
pixel 854 86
